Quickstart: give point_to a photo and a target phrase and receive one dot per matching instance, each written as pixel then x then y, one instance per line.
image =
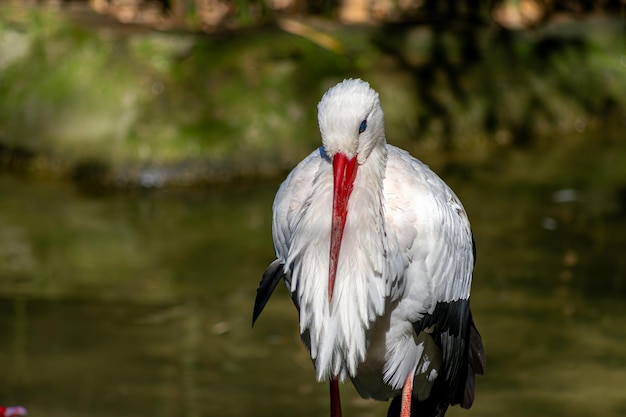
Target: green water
pixel 138 303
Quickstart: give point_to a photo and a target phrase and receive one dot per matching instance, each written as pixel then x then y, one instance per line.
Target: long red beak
pixel 344 172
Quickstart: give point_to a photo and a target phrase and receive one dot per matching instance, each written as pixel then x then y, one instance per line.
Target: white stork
pixel 377 253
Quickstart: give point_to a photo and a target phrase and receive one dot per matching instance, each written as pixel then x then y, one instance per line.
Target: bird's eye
pixel 363 126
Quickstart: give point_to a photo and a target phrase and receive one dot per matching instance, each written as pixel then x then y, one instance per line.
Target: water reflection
pixel 139 304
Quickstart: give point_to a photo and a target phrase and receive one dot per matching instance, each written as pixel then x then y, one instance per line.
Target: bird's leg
pixel 335 401
pixel 407 395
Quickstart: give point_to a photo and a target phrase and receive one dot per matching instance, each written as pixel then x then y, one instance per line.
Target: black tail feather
pixel 475 364
pixel 270 279
pixel 476 355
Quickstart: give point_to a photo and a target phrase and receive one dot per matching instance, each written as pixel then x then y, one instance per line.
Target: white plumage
pixel 399 303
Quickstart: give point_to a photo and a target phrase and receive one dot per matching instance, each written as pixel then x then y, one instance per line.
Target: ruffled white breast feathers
pixel 337 333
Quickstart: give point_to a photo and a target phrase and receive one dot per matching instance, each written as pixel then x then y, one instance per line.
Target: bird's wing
pixel 427 225
pixel 291 196
pixel 436 253
pixel 292 192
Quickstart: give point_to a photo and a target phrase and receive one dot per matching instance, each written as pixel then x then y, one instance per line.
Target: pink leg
pixel 335 401
pixel 407 394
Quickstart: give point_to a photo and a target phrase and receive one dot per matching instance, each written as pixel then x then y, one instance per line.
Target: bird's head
pixel 351 120
pixel 351 123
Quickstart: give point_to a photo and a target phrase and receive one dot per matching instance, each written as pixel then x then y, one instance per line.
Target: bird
pixel 377 254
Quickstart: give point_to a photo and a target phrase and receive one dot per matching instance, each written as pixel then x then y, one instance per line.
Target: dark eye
pixel 363 126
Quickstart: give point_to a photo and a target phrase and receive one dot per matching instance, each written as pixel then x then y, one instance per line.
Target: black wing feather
pixel 452 328
pixel 269 281
pixel 449 323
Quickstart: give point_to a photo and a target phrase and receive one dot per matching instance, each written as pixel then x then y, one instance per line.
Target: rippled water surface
pixel 138 303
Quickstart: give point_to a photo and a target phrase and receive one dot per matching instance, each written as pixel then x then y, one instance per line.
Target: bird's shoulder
pixel 299 181
pixel 415 181
pixel 417 196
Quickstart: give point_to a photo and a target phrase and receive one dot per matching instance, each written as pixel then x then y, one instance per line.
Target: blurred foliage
pixel 212 15
pixel 122 105
pixel 511 86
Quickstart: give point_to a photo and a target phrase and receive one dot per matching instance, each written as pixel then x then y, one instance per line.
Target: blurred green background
pixel 142 142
